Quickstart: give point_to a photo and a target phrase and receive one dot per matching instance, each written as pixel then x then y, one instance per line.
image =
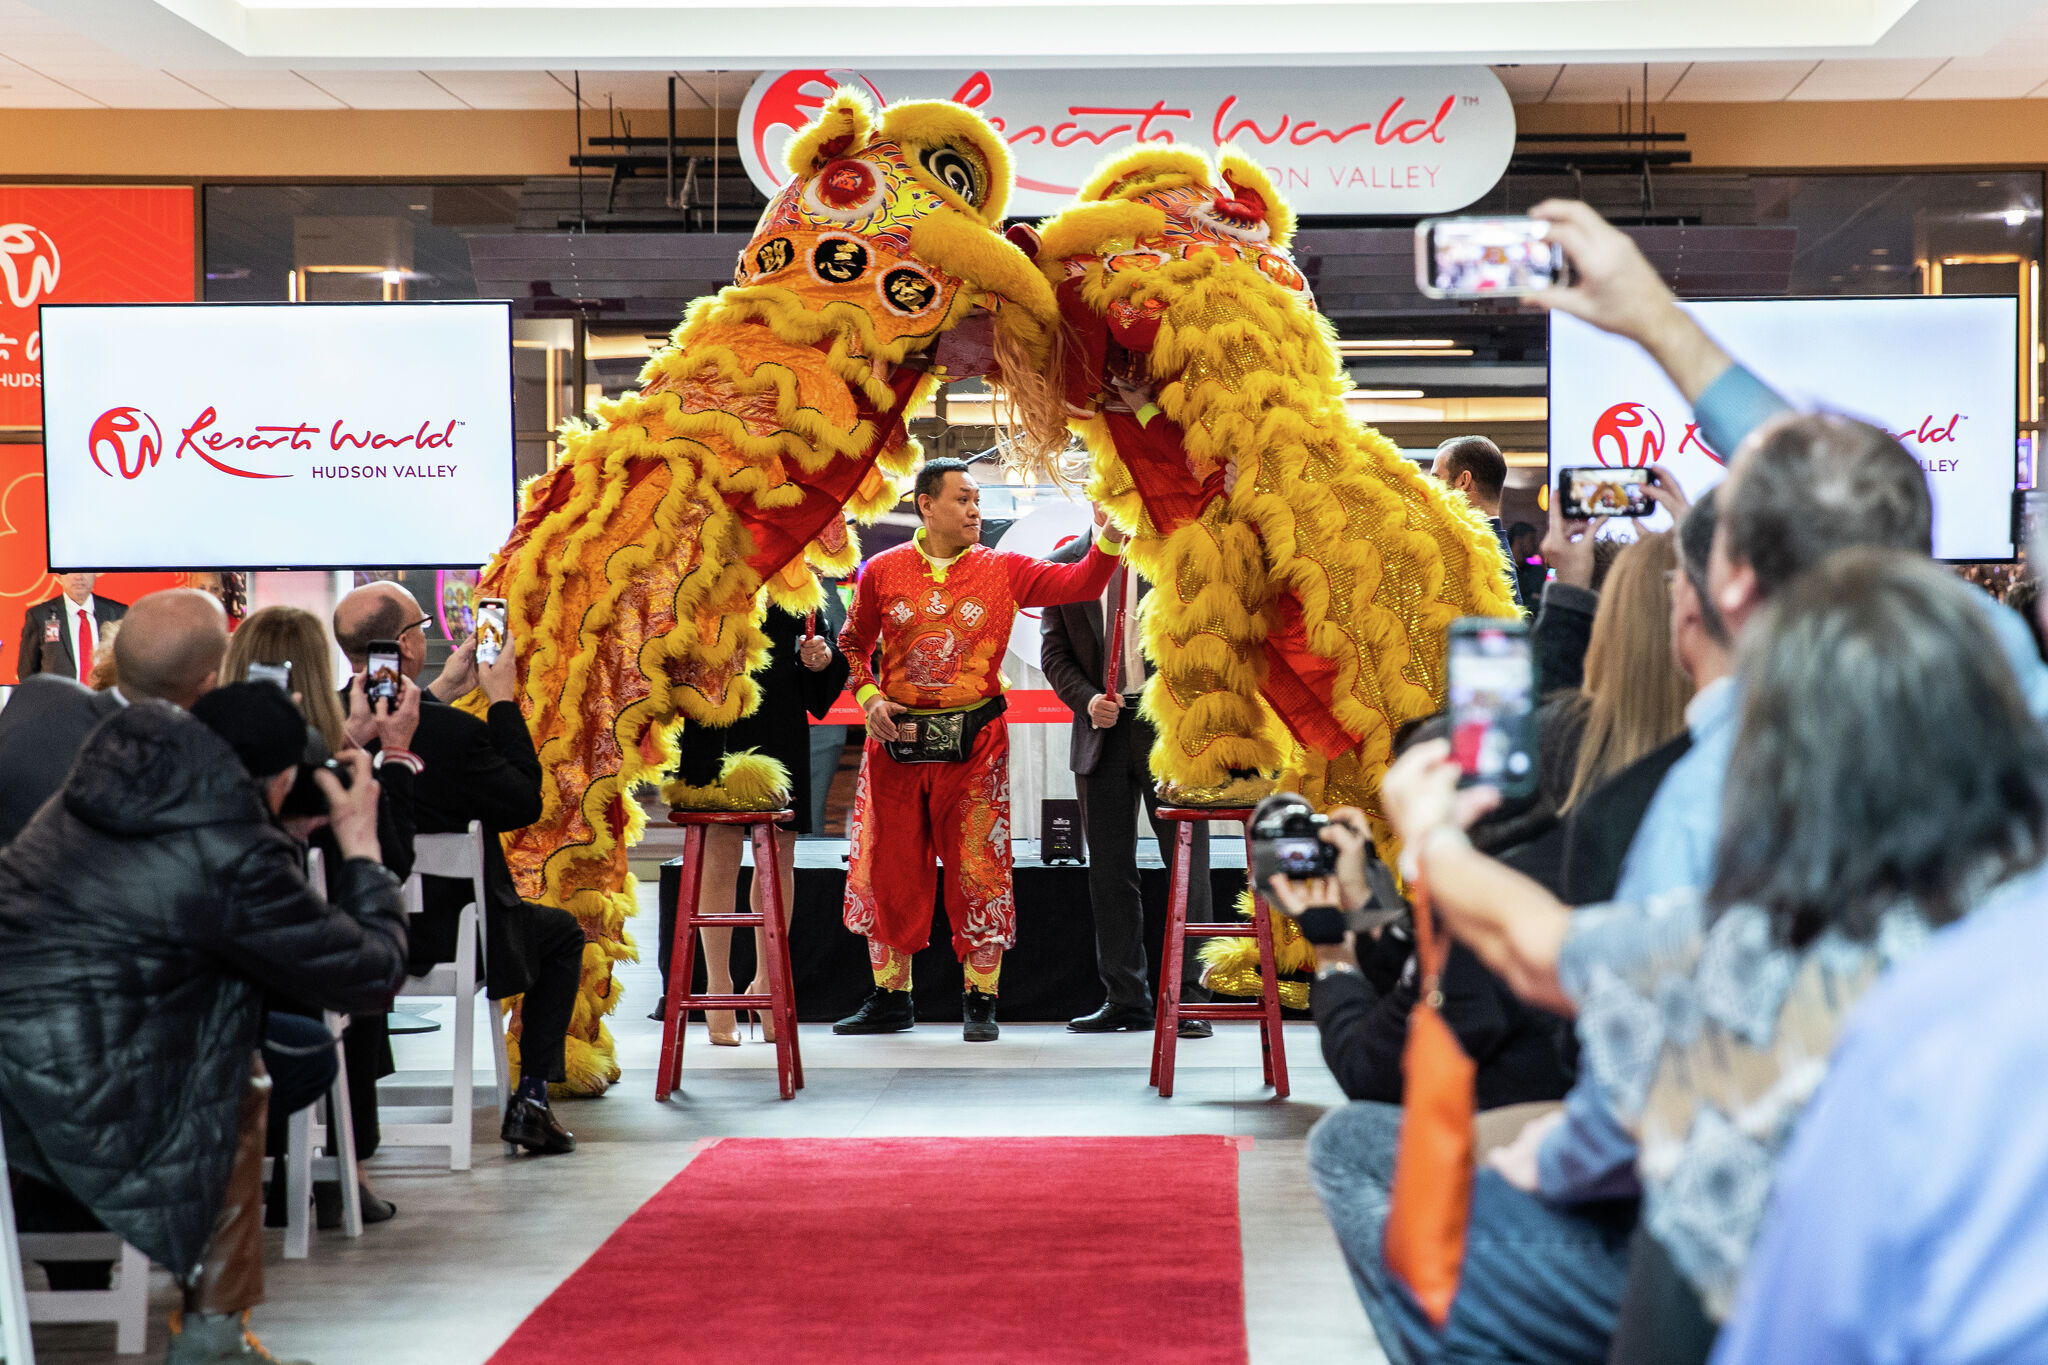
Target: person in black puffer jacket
pixel 142 914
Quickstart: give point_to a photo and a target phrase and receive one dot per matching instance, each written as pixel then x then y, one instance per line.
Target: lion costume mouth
pixel 892 232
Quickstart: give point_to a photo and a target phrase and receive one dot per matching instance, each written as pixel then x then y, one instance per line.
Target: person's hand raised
pixel 1668 493
pixel 458 675
pixel 500 677
pixel 352 810
pixel 1421 793
pixel 360 724
pixel 397 720
pixel 1568 548
pixel 1614 286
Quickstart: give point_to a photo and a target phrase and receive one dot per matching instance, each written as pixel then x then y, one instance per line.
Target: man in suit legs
pixel 1111 759
pixel 61 635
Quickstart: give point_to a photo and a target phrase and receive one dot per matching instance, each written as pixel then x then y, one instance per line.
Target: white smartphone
pixel 490 629
pixel 1486 258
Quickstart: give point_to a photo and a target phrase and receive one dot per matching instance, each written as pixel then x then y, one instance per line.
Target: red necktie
pixel 84 647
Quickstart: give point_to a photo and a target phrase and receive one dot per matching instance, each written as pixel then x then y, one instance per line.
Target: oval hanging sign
pixel 1397 141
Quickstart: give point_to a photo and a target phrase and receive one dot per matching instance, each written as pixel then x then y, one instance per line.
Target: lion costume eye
pixel 844 192
pixel 957 171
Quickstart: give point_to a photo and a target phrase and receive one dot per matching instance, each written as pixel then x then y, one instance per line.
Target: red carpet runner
pixel 915 1251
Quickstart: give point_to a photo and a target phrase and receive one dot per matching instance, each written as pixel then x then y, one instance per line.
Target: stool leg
pixel 682 961
pixel 781 998
pixel 1272 1045
pixel 1166 1024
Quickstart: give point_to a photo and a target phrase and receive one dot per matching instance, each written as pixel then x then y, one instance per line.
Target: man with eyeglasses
pixel 481 770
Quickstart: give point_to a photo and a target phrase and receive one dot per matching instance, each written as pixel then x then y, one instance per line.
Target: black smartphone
pixel 1486 258
pixel 1588 491
pixel 490 629
pixel 281 674
pixel 1493 704
pixel 382 680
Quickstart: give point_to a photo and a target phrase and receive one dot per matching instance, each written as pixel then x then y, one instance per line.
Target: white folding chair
pixel 305 1134
pixel 125 1303
pixel 458 856
pixel 15 1346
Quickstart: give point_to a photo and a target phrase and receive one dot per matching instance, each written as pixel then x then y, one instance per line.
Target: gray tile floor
pixel 470 1254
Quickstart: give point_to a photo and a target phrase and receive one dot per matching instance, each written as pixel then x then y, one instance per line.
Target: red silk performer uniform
pixel 943 629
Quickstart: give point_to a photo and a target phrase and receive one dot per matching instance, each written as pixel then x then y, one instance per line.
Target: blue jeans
pixel 1351 1164
pixel 1540 1284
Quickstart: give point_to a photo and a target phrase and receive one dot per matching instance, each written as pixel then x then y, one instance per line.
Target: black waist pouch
pixel 947 738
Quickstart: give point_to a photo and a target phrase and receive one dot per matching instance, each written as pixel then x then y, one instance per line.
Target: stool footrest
pixel 1254 1010
pixel 727 1002
pixel 1220 931
pixel 739 921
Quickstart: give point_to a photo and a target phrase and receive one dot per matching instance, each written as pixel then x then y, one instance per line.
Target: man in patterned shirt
pixel 935 777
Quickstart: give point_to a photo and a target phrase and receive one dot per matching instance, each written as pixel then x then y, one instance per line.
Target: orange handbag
pixel 1432 1196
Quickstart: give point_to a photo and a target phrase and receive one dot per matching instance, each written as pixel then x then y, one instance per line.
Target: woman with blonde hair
pixel 294 637
pixel 1635 693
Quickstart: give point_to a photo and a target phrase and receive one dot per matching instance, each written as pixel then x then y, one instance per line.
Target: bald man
pixel 170 646
pixel 481 770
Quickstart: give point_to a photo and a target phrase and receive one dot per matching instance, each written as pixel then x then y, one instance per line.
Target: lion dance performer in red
pixel 935 777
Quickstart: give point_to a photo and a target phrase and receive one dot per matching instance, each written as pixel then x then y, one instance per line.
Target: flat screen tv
pixel 277 436
pixel 1939 372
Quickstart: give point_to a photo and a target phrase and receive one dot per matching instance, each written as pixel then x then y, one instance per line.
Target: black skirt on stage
pixel 780 726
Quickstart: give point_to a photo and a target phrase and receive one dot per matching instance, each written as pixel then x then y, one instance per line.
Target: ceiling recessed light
pixel 2015 217
pixel 1880 251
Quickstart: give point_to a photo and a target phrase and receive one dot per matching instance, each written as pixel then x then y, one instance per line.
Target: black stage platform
pixel 1049 975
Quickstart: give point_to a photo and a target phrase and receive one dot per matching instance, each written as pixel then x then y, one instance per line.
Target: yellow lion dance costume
pixel 1304 571
pixel 640 567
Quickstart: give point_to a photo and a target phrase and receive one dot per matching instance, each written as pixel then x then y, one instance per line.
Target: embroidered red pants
pixel 905 815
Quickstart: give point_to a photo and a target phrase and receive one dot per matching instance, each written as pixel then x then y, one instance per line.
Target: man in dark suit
pixel 481 770
pixel 1474 466
pixel 170 648
pixel 61 634
pixel 1112 762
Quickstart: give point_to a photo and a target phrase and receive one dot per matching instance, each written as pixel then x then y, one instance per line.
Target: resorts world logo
pixel 1631 435
pixel 29 264
pixel 128 441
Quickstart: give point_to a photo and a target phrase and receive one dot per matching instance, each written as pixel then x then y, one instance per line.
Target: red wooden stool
pixel 1266 1009
pixel 781 998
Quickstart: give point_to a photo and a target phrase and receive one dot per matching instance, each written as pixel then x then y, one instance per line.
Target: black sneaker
pixel 535 1127
pixel 884 1011
pixel 979 1012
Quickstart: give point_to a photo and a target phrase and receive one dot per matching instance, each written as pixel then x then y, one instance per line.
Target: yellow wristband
pixel 867 693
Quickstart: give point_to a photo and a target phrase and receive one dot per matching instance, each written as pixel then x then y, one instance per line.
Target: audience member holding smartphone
pixel 288 647
pixel 480 770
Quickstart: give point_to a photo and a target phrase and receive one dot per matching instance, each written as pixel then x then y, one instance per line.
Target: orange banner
pixel 82 244
pixel 25 578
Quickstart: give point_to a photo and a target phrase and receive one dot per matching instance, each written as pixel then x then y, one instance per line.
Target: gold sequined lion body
pixel 642 563
pixel 1304 571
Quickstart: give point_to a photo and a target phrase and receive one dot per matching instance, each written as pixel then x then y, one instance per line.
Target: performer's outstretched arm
pixel 1038 583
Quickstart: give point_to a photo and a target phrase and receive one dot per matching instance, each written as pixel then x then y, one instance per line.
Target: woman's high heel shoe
pixel 766 1018
pixel 731 1036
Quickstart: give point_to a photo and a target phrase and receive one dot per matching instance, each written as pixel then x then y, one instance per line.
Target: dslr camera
pixel 305 797
pixel 1287 840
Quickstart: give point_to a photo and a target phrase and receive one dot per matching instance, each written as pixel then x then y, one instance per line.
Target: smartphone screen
pixel 382 681
pixel 1493 704
pixel 1477 258
pixel 1597 491
pixel 490 629
pixel 281 674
